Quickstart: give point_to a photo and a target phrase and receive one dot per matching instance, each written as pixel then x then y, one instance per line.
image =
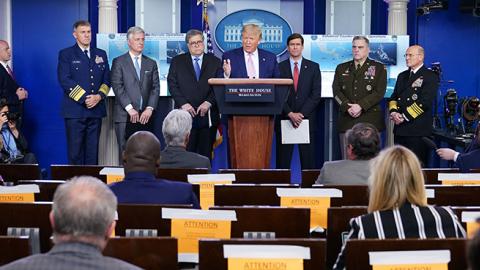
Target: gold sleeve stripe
pixel 392 105
pixel 104 89
pixel 77 93
pixel 414 110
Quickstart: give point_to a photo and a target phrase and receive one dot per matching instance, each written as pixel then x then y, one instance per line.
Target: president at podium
pixel 249 61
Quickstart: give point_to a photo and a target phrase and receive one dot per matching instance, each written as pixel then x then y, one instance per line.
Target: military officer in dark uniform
pixel 84 75
pixel 358 88
pixel 411 104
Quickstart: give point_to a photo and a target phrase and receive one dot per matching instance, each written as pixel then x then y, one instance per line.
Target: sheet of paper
pixel 291 135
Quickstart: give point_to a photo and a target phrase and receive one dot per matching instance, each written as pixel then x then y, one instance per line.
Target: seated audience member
pixel 13 145
pixel 363 144
pixel 176 131
pixel 470 159
pixel 141 159
pixel 398 205
pixel 473 253
pixel 82 218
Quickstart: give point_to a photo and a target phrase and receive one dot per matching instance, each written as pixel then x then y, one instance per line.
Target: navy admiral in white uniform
pixel 84 75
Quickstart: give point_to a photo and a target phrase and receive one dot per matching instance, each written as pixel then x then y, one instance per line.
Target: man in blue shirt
pixel 141 160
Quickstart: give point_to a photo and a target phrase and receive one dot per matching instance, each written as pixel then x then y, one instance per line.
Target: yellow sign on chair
pixel 114 174
pixel 271 257
pixel 207 184
pixel 189 225
pixel 317 199
pixel 459 179
pixel 20 193
pixel 471 217
pixel 412 259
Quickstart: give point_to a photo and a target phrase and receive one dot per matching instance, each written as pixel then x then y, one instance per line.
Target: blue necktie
pixel 196 66
pixel 137 67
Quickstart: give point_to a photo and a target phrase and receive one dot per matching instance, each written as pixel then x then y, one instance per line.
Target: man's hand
pixel 446 153
pixel 145 116
pixel 3 119
pixel 92 100
pixel 187 107
pixel 227 69
pixel 22 93
pixel 355 110
pixel 295 118
pixel 133 116
pixel 13 128
pixel 397 118
pixel 203 108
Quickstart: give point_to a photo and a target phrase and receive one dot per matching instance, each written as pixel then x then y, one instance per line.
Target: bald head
pixel 5 52
pixel 414 56
pixel 142 153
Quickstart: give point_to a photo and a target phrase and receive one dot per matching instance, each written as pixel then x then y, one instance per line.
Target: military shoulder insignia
pixel 98 59
pixel 418 82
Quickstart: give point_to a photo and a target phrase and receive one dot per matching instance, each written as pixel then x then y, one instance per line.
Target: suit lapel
pixel 143 68
pixel 261 62
pixel 131 66
pixel 242 63
pixel 189 65
pixel 301 78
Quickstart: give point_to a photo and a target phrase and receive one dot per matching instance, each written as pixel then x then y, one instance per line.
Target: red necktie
pixel 295 76
pixel 9 70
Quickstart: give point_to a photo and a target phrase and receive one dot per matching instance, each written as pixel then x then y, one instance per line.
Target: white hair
pixel 176 126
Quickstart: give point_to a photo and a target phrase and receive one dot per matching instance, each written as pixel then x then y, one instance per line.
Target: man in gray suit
pixel 135 82
pixel 176 131
pixel 363 144
pixel 82 218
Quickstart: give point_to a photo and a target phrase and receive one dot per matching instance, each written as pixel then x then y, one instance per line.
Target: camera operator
pixel 13 145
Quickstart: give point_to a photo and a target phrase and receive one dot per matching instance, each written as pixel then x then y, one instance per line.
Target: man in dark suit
pixel 301 104
pixel 188 83
pixel 136 85
pixel 176 129
pixel 358 87
pixel 9 89
pixel 469 159
pixel 141 160
pixel 84 76
pixel 83 219
pixel 250 61
pixel 411 104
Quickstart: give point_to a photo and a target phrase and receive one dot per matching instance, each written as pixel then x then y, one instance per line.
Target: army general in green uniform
pixel 358 88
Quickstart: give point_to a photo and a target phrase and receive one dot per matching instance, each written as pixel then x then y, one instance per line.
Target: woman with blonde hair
pixel 398 204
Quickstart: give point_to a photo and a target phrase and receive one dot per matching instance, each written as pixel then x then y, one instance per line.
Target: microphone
pixel 430 143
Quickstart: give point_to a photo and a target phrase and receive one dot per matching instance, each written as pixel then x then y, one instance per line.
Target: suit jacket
pixel 178 157
pixel 413 97
pixel 267 62
pixel 79 77
pixel 142 187
pixel 308 94
pixel 8 90
pixel 408 221
pixel 70 255
pixel 344 172
pixel 365 87
pixel 470 159
pixel 185 88
pixel 129 89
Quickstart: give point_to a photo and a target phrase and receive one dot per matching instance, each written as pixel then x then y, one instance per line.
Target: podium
pixel 250 105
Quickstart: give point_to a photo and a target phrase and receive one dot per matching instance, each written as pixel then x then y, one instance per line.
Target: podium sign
pixel 250 105
pixel 250 93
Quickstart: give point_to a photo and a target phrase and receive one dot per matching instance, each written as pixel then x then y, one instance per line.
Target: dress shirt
pixel 292 65
pixel 255 62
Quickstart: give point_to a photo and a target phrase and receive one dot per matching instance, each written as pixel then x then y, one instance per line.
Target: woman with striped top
pixel 398 205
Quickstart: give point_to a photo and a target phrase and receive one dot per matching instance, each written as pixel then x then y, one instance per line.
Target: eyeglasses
pixel 409 55
pixel 196 43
